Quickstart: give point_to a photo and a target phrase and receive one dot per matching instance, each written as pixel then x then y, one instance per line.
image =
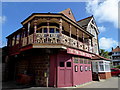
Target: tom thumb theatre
pixel 52 50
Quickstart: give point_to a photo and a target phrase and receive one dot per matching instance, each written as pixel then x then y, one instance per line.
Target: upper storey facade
pixel 54 30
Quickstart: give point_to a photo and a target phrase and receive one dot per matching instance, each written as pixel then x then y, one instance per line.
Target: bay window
pixel 44 29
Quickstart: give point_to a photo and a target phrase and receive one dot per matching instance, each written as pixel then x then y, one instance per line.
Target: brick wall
pixel 105 75
pixel 36 66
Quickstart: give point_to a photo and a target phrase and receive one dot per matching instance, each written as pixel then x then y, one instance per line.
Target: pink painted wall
pixel 81 77
pixel 66 76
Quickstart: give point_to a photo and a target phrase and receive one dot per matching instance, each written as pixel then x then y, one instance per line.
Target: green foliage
pixel 104 53
pixel 117 66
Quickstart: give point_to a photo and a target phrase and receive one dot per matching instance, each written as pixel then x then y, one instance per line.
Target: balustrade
pixel 24 43
pixel 85 47
pixel 30 39
pixel 56 38
pixel 80 45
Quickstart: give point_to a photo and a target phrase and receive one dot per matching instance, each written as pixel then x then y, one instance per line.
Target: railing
pixel 47 38
pixel 30 39
pixel 55 38
pixel 24 42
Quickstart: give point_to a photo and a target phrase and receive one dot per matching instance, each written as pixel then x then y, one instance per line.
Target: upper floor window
pixel 45 30
pixel 13 41
pixel 24 33
pixel 52 30
pixel 57 30
pixel 17 38
pixel 39 31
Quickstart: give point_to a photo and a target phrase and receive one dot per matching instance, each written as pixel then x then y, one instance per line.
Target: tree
pixel 104 53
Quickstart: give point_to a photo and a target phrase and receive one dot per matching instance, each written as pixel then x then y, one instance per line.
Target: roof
pixel 117 49
pixel 98 57
pixel 20 29
pixel 69 14
pixel 84 22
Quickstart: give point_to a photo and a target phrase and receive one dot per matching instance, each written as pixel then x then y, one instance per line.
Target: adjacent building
pixel 100 67
pixel 115 56
pixel 54 49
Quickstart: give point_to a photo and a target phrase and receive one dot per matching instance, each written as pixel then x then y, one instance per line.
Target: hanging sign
pixel 77 52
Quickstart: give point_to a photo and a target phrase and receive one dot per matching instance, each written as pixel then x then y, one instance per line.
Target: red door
pixel 64 70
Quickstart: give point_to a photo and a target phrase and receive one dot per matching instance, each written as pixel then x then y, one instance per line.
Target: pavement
pixel 111 83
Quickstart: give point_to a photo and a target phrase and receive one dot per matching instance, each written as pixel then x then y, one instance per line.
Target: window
pixel 45 30
pixel 85 61
pixel 81 68
pixel 86 68
pixel 89 62
pixel 61 64
pixel 69 12
pixel 68 64
pixel 17 38
pixel 75 60
pixel 52 30
pixel 107 67
pixel 24 33
pixel 9 42
pixel 81 61
pixel 13 41
pixel 39 31
pixel 57 30
pixel 101 66
pixel 76 68
pixel 89 68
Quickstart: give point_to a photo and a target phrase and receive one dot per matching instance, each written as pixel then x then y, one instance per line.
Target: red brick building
pixel 54 49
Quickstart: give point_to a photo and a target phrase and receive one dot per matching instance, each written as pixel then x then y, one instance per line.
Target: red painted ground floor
pixel 51 67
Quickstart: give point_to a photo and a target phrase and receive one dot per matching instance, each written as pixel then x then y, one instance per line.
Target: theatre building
pixel 52 49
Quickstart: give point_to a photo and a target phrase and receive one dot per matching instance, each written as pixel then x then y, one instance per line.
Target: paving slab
pixel 112 84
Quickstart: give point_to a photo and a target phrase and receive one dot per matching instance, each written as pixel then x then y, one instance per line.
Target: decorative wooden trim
pixel 70 29
pixel 60 23
pixel 35 28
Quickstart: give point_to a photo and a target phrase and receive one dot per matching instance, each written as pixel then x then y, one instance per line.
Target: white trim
pixel 104 71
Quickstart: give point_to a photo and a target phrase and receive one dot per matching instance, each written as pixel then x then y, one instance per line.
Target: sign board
pixel 77 52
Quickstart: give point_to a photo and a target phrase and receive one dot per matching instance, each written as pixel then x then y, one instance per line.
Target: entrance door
pixel 64 70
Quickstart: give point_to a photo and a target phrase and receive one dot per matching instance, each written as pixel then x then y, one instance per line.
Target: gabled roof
pixel 84 22
pixel 69 14
pixel 117 49
pixel 98 57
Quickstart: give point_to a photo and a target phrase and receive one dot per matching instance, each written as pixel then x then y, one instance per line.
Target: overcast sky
pixel 105 13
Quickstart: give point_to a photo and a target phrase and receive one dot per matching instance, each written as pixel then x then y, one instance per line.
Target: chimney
pixel 112 48
pixel 117 46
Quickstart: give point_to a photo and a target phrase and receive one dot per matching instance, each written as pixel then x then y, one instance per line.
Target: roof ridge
pixel 85 18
